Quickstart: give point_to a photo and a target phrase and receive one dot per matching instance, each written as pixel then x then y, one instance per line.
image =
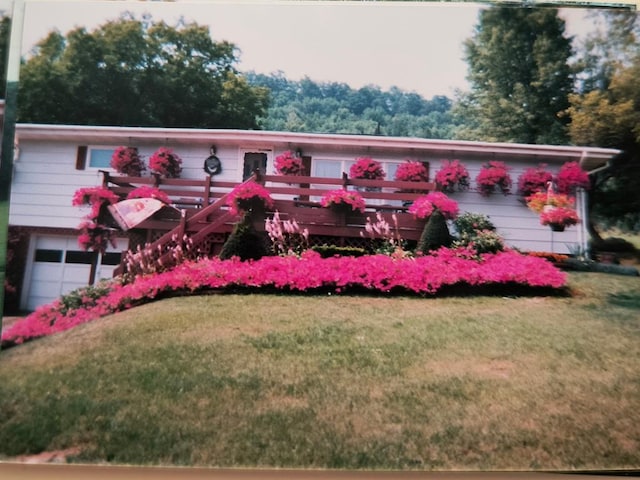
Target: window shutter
pixel 81 157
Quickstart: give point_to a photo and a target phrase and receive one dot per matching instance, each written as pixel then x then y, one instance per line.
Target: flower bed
pixel 425 275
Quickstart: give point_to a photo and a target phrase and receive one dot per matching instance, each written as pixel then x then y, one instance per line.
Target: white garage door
pixel 57 266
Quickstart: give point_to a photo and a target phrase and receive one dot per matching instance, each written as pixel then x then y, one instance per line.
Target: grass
pixel 484 383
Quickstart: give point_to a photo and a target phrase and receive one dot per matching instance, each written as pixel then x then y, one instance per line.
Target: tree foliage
pixel 333 107
pixel 138 73
pixel 520 77
pixel 607 114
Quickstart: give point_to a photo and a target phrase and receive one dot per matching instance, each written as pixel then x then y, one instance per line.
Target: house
pixel 53 161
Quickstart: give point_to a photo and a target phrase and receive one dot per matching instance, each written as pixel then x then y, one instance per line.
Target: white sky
pixel 414 46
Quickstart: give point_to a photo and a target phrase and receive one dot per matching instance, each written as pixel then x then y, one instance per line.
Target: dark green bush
pixel 469 223
pixel 435 234
pixel 245 242
pixel 327 251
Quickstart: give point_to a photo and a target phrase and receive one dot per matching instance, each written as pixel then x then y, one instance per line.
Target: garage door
pixel 58 266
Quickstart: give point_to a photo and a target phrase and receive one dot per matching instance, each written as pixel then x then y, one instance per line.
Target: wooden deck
pixel 199 210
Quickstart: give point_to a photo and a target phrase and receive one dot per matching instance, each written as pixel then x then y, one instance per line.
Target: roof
pixel 590 158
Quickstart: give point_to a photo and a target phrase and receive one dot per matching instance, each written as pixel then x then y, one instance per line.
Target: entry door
pixel 254 161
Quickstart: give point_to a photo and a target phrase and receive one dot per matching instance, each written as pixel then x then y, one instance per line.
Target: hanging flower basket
pixel 343 201
pixel 494 176
pixel 166 163
pixel 541 200
pixel 452 176
pixel 149 192
pixel 412 171
pixel 571 177
pixel 127 161
pixel 96 197
pixel 558 218
pixel 424 206
pixel 367 168
pixel 534 180
pixel 288 164
pixel 249 197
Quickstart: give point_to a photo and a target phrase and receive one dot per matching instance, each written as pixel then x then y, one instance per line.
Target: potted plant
pixel 451 176
pixel 494 175
pixel 558 217
pixel 166 163
pixel 412 171
pixel 288 164
pixel 533 180
pixel 149 192
pixel 127 161
pixel 343 201
pixel 424 206
pixel 96 197
pixel 249 197
pixel 571 177
pixel 367 168
pixel 540 200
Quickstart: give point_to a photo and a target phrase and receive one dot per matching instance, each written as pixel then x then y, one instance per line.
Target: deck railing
pixel 200 207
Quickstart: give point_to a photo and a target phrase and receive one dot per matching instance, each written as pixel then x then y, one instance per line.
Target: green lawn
pixel 484 383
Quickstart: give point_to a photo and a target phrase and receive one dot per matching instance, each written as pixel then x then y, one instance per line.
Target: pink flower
pixel 248 196
pixel 367 168
pixel 337 198
pixel 149 192
pixel 559 216
pixel 424 206
pixel 412 171
pixel 166 163
pixel 288 164
pixel 534 179
pixel 452 174
pixel 570 177
pixel 494 175
pixel 127 161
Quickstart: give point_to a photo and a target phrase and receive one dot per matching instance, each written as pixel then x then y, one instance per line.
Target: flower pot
pixel 556 227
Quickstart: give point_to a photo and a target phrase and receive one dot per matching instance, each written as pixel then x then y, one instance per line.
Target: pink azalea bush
pixel 367 168
pixel 494 175
pixel 166 163
pixel 343 199
pixel 127 161
pixel 570 177
pixel 412 171
pixel 247 197
pixel 533 180
pixel 424 275
pixel 452 175
pixel 288 164
pixel 149 192
pixel 424 206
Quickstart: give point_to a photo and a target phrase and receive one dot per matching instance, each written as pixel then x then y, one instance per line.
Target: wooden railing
pixel 202 207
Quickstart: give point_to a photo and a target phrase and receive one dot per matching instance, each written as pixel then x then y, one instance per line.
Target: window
pixel 48 255
pixel 74 256
pixel 331 168
pixel 100 157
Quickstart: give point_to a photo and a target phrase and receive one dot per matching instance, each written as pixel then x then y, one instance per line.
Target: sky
pixel 417 47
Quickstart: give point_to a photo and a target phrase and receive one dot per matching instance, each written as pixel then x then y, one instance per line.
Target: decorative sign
pixel 129 213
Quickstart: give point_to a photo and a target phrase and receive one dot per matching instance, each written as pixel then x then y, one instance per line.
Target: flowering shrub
pixel 96 197
pixel 286 236
pixel 539 200
pixel 367 168
pixel 424 206
pixel 166 163
pixel 494 175
pixel 288 164
pixel 425 275
pixel 248 197
pixel 452 175
pixel 477 233
pixel 127 161
pixel 469 222
pixel 558 217
pixel 570 177
pixel 390 241
pixel 412 171
pixel 95 236
pixel 149 192
pixel 533 180
pixel 343 199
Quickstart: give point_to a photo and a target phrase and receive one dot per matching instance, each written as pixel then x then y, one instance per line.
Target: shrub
pixel 435 234
pixel 245 242
pixel 477 232
pixel 469 223
pixel 328 251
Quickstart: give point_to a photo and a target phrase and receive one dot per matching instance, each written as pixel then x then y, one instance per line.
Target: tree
pixel 606 113
pixel 138 73
pixel 520 77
